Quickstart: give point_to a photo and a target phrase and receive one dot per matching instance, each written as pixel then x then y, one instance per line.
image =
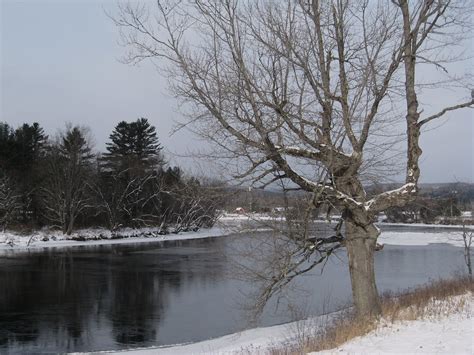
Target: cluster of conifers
pixel 63 183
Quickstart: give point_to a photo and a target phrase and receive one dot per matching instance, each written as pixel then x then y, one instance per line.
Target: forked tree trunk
pixel 360 244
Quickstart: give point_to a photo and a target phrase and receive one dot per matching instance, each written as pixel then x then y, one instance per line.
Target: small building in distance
pixel 240 210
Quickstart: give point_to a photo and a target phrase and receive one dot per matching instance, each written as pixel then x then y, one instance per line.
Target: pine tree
pixel 30 141
pixel 134 146
pixel 20 152
pixel 6 146
pixel 133 159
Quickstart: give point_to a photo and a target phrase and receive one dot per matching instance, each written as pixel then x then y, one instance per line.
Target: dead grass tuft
pixel 430 301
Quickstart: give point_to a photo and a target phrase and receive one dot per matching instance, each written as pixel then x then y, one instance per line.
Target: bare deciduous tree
pixel 10 202
pixel 119 198
pixel 65 189
pixel 467 237
pixel 307 91
pixel 196 205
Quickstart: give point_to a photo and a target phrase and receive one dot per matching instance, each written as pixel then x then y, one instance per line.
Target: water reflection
pixel 114 297
pixel 64 299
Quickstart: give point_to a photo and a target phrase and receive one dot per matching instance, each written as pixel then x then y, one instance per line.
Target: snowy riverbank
pixel 226 225
pixel 55 239
pixel 450 334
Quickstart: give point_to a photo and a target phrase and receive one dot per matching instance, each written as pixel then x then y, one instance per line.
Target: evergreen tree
pixel 20 148
pixel 30 141
pixel 134 146
pixel 6 147
pixel 133 159
pixel 20 151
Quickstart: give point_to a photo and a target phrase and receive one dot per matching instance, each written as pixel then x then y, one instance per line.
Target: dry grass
pixel 424 302
pixel 431 301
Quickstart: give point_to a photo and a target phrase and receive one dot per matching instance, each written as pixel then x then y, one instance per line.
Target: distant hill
pixel 258 199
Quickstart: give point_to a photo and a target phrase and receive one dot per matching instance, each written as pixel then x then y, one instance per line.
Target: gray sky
pixel 59 62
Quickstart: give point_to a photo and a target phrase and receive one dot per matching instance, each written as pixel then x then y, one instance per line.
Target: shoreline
pixel 42 239
pixel 417 336
pixel 21 242
pixel 254 340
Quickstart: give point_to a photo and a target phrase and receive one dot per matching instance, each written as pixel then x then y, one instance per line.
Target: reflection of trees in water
pixel 138 297
pixel 42 296
pixel 142 291
pixel 57 298
pixel 11 304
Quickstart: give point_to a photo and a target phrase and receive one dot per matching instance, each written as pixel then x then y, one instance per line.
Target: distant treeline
pixel 62 183
pixel 440 203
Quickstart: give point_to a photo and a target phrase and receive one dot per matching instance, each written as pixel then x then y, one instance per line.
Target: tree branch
pixel 445 110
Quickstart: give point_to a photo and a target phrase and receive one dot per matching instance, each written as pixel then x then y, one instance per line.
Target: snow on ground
pixel 452 334
pixel 100 236
pixel 421 238
pixel 423 225
pixel 14 241
pixel 445 334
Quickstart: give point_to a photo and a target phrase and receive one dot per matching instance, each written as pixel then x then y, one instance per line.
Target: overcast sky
pixel 59 62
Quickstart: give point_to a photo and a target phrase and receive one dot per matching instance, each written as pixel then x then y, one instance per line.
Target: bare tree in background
pixel 119 199
pixel 196 205
pixel 185 205
pixel 467 237
pixel 307 92
pixel 10 202
pixel 68 170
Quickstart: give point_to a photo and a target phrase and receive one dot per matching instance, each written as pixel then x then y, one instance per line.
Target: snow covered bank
pixel 227 224
pixel 229 217
pixel 47 239
pixel 101 236
pixel 54 239
pixel 451 334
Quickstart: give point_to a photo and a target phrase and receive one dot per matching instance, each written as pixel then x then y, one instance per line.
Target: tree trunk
pixel 70 226
pixel 360 244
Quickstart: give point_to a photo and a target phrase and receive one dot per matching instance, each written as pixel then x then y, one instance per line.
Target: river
pixel 136 295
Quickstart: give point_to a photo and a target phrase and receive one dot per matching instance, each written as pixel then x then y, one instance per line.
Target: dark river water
pixel 135 295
